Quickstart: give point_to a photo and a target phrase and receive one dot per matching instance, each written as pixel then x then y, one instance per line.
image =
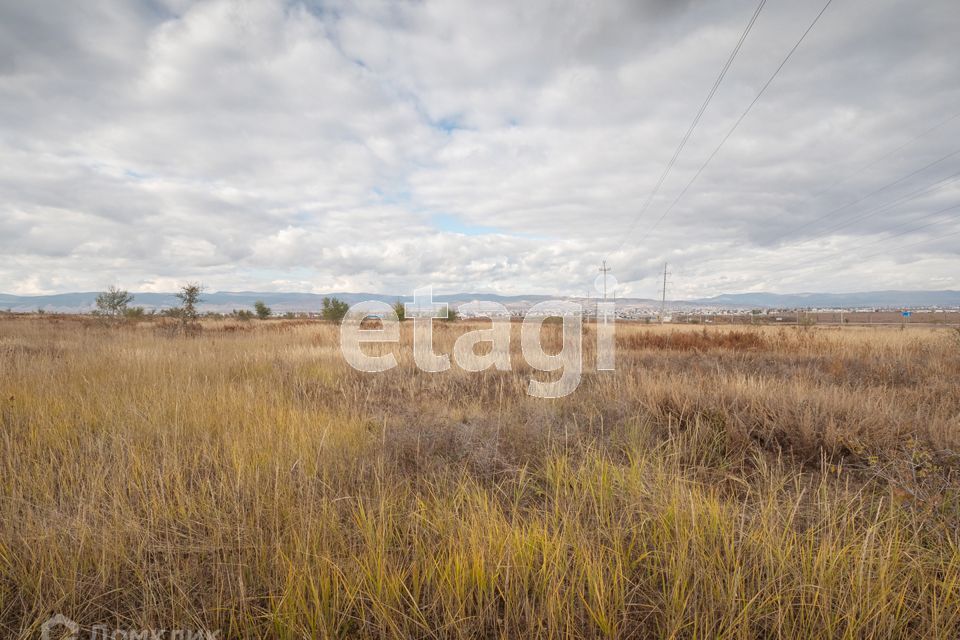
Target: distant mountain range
pixel 226 301
pixel 872 299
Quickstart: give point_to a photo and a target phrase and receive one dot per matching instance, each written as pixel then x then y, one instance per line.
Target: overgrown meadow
pixel 747 482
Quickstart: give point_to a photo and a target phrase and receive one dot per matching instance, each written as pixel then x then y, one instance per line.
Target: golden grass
pixel 749 483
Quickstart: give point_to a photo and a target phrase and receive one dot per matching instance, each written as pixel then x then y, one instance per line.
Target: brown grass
pixel 748 483
pixel 686 340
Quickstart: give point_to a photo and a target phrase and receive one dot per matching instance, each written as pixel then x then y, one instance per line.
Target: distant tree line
pixel 114 303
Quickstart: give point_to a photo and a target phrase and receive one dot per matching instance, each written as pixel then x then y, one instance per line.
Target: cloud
pixel 494 146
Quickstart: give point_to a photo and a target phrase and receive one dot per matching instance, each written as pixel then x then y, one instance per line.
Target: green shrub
pixel 334 309
pixel 262 310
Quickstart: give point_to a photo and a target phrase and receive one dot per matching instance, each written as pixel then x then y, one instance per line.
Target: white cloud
pixel 273 145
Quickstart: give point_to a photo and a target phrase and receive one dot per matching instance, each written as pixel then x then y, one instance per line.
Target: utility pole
pixel 604 270
pixel 663 299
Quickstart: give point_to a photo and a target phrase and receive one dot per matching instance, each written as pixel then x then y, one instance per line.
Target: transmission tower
pixel 605 270
pixel 663 299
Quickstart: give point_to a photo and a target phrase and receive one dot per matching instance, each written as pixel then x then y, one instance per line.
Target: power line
pixel 864 197
pixel 905 198
pixel 696 119
pixel 825 255
pixel 906 246
pixel 735 125
pixel 878 253
pixel 886 155
pixel 908 231
pixel 783 266
pixel 913 195
pixel 872 242
pixel 912 229
pixel 883 208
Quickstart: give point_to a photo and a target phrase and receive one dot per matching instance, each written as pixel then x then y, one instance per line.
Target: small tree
pixel 334 309
pixel 400 310
pixel 263 311
pixel 189 296
pixel 452 314
pixel 113 302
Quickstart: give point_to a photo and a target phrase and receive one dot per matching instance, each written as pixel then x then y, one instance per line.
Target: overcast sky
pixel 476 146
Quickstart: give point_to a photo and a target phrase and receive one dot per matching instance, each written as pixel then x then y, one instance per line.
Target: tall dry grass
pixel 749 483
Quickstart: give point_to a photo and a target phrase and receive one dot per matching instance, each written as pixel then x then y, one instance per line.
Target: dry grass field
pixel 722 483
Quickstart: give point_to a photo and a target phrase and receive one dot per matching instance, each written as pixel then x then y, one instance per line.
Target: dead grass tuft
pixel 693 340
